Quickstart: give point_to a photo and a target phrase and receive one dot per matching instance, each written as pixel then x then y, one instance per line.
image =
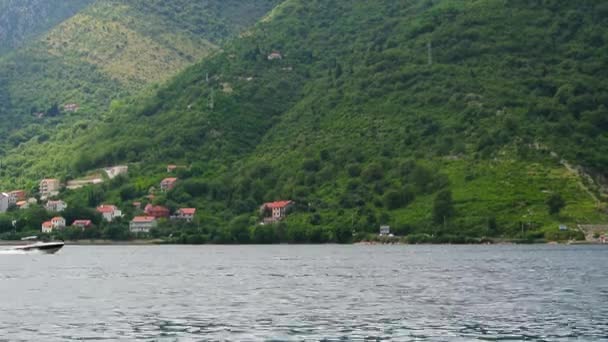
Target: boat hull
pixel 47 248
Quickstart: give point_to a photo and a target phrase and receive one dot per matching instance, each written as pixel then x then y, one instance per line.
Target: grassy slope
pixel 355 91
pixel 23 20
pixel 109 50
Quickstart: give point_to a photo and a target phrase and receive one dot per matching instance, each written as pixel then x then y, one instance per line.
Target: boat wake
pixel 18 252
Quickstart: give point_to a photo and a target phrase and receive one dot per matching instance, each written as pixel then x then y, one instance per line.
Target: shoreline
pixel 158 242
pixel 150 242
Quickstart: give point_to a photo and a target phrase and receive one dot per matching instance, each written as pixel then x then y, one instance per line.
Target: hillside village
pixel 376 128
pixel 143 218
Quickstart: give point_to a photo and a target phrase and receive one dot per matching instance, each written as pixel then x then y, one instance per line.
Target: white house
pixel 116 171
pixel 109 212
pixel 4 202
pixel 47 227
pixel 142 224
pixel 57 222
pixel 55 206
pixel 185 214
pixel 275 211
pixel 385 230
pixel 275 55
pixel 168 184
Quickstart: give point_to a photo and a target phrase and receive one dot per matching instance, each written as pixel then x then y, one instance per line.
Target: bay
pixel 306 293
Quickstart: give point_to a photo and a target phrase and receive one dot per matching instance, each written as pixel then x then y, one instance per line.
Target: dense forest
pixel 447 120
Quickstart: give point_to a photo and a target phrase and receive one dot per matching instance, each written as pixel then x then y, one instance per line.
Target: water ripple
pixel 306 293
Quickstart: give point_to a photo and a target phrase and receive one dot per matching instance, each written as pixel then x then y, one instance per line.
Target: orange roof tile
pixel 278 204
pixel 143 219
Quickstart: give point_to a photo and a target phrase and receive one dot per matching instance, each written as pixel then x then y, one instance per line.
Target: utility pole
pixel 429 47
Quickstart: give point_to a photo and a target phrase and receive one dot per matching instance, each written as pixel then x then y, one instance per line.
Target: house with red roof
pixel 109 212
pixel 22 205
pixel 185 214
pixel 83 224
pixel 55 223
pixel 58 222
pixel 157 211
pixel 142 224
pixel 275 55
pixel 47 227
pixel 275 211
pixel 168 184
pixel 17 196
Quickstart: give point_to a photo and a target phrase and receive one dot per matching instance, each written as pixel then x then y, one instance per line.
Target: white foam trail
pixel 17 252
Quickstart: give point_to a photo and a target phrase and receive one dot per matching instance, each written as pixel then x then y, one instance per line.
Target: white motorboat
pixel 44 247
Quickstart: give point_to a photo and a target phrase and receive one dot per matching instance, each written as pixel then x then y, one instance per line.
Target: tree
pixel 54 110
pixel 6 224
pixel 395 199
pixel 555 203
pixel 128 192
pixel 443 207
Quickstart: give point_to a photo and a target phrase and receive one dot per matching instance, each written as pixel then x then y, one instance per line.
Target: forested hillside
pixel 104 52
pixel 21 20
pixel 446 118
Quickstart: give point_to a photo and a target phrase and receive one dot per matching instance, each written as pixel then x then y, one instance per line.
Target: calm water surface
pixel 306 293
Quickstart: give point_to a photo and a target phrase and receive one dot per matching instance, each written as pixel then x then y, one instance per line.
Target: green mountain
pixel 448 118
pixel 106 51
pixel 22 20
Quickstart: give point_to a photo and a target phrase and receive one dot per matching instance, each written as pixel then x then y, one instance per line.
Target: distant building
pixel 55 206
pixel 275 55
pixel 58 222
pixel 4 202
pixel 172 168
pixel 385 230
pixel 47 227
pixel 83 224
pixel 116 171
pixel 185 214
pixel 563 227
pixel 137 205
pixel 275 211
pixel 49 187
pixel 109 212
pixel 55 223
pixel 71 107
pixel 142 224
pixel 16 196
pixel 157 211
pixel 168 184
pixel 22 205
